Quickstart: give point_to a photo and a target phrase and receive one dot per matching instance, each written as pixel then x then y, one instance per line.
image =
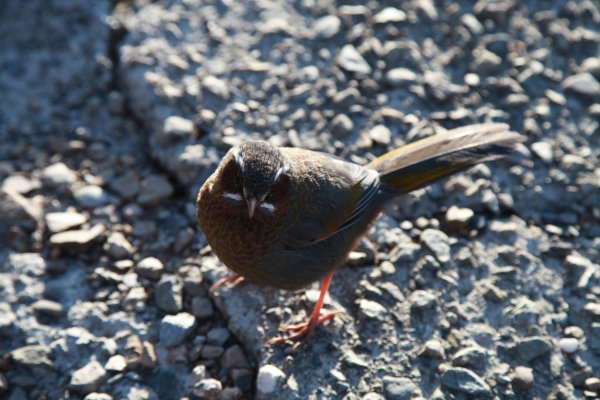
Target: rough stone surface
pixel 118 111
pixel 175 328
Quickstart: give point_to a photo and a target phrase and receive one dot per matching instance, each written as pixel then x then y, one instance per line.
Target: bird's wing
pixel 340 195
pixel 364 189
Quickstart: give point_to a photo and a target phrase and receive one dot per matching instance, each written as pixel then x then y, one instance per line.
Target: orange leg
pixel 235 278
pixel 305 329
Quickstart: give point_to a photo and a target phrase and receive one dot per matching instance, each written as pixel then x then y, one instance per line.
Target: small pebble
pixel 399 388
pixel 458 218
pixel 523 378
pixel 268 378
pixel 150 267
pixel 342 125
pixel 90 196
pixel 350 59
pixel 116 363
pixel 592 384
pixel 434 348
pixel 209 389
pixel 175 328
pixel 88 378
pixel 62 221
pixel 381 134
pixel 370 309
pixel 568 345
pixel 58 175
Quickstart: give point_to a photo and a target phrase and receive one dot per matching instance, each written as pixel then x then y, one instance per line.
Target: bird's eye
pixel 237 182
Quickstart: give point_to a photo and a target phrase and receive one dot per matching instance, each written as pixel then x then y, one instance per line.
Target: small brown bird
pixel 287 217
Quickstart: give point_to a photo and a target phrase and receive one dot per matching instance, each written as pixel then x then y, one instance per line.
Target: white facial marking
pixel 239 160
pixel 232 196
pixel 268 207
pixel 282 170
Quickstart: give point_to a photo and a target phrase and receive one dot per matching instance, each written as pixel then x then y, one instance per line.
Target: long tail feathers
pixel 420 163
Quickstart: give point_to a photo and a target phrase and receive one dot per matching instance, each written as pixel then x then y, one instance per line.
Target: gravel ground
pixel 112 115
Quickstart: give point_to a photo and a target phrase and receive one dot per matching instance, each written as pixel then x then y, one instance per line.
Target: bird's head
pixel 255 173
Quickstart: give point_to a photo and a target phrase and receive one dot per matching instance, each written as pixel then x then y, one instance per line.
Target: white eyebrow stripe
pixel 282 170
pixel 268 207
pixel 238 159
pixel 232 196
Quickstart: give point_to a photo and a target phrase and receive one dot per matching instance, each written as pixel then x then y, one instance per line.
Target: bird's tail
pixel 420 163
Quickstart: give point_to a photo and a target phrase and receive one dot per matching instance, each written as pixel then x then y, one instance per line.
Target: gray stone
pixel 568 345
pixel 192 280
pixel 178 127
pixel 327 26
pixel 350 60
pixel 88 378
pixel 155 189
pixel 543 150
pixel 62 221
pixel 399 388
pixel 218 336
pixel 90 196
pixel 401 76
pixel 126 185
pixel 199 373
pixel 434 348
pixel 421 300
pixel 168 294
pixel 58 175
pixel 175 328
pixel 8 316
pixel 346 97
pixel 370 309
pixel 268 379
pixel 592 308
pixel 77 239
pixel 533 347
pixel 583 84
pixel 342 125
pixel 49 308
pixel 234 357
pixel 19 184
pixel 473 357
pixel 215 86
pixel 592 384
pixel 466 381
pixel 525 312
pixel 389 15
pixel 209 389
pixel 202 307
pixel 523 378
pixel 459 218
pixel 472 24
pixel 210 352
pixel 381 134
pixel 118 246
pixel 98 396
pixel 32 356
pixel 438 242
pixel 150 267
pixel 116 363
pixel 16 209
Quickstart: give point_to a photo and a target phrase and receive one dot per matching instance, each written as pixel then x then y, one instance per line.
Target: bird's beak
pixel 252 203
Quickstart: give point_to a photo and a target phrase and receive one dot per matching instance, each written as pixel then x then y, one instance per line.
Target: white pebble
pixel 568 345
pixel 267 379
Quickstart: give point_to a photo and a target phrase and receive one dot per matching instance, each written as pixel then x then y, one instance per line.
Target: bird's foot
pixel 303 330
pixel 236 279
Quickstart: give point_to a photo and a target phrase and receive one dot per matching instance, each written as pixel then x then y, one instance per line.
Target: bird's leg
pixel 235 278
pixel 305 329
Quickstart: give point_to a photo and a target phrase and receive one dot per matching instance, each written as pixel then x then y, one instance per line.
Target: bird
pixel 286 217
